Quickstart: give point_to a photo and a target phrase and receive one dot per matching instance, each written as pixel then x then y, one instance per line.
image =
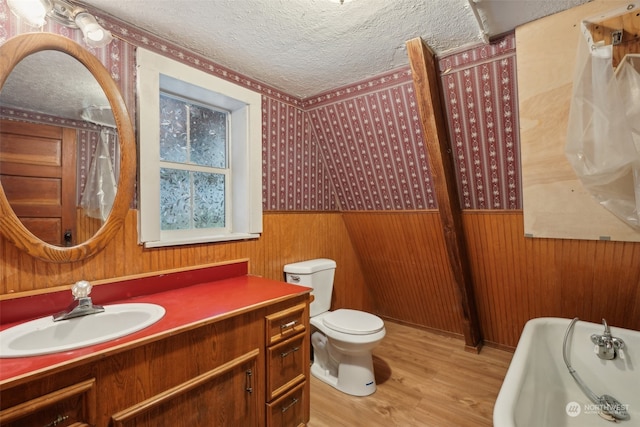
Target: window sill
pixel 203 239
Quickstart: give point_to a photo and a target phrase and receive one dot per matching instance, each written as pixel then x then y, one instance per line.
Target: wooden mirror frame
pixel 11 53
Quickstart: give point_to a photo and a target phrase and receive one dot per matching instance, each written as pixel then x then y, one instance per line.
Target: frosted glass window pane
pixel 175 199
pixel 192 199
pixel 208 200
pixel 208 134
pixel 173 130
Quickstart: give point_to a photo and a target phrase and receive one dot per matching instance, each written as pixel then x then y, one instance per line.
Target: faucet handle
pixel 81 289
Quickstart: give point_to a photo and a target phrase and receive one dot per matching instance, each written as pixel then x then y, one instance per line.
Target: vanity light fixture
pixel 63 12
pixel 32 12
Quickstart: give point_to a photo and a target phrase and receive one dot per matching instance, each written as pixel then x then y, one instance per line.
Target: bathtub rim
pixel 504 414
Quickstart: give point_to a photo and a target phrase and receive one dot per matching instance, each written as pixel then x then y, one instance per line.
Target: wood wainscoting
pixel 405 265
pixel 515 278
pixel 287 237
pixel 394 264
pixel 518 278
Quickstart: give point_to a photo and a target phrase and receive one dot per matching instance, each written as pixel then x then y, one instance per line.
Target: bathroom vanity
pixel 231 350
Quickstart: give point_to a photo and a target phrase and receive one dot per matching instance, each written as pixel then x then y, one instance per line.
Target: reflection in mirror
pixel 59 180
pixel 23 47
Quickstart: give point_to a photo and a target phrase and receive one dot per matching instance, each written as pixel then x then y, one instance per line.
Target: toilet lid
pixel 353 322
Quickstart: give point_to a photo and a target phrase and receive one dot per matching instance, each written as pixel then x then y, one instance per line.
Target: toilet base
pixel 355 375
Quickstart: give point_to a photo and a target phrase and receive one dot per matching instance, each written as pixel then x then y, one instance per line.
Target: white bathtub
pixel 538 390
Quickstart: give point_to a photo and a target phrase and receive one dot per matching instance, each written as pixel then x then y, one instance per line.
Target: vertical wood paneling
pixel 518 278
pixel 404 261
pixel 394 264
pixel 85 226
pixel 287 237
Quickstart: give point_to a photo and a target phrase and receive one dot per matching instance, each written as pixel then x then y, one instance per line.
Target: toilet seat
pixel 353 322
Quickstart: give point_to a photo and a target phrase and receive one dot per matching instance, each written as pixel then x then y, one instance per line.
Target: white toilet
pixel 342 340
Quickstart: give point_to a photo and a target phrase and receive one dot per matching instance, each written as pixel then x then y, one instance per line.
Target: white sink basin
pixel 44 336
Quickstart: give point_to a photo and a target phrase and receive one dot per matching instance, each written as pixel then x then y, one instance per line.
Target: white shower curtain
pixel 100 189
pixel 603 139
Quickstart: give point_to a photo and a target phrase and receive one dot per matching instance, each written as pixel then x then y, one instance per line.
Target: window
pixel 200 155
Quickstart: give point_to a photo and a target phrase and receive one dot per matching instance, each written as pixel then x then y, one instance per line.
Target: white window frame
pixel 245 152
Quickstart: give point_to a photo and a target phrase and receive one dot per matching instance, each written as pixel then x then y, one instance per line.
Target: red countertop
pixel 186 307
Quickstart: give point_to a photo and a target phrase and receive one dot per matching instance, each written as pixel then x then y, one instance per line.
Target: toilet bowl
pixel 343 339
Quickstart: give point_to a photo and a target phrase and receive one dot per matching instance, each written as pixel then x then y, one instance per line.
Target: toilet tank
pixel 317 274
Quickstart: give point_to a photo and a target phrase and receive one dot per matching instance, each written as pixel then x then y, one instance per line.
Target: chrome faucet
pixel 607 346
pixel 81 305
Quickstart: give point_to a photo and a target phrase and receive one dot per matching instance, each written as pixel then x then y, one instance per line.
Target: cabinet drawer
pixel 286 323
pixel 70 406
pixel 287 410
pixel 285 365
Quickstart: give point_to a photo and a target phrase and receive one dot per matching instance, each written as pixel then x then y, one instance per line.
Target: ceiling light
pixel 340 1
pixel 63 12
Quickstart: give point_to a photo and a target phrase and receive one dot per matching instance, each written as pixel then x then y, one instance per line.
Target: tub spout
pixel 610 408
pixel 607 346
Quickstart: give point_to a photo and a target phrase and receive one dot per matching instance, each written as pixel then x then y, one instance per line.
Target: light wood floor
pixel 423 379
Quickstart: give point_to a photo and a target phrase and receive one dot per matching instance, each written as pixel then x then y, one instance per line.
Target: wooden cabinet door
pixel 38 175
pixel 223 397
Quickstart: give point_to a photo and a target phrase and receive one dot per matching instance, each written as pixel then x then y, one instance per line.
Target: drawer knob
pixel 286 353
pixel 293 402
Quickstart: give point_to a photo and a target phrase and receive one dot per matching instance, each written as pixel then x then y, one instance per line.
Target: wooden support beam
pixel 425 80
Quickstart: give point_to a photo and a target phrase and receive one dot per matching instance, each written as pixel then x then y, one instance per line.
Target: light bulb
pixel 94 34
pixel 32 12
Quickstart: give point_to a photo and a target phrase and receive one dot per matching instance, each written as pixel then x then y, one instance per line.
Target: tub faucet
pixel 81 305
pixel 607 346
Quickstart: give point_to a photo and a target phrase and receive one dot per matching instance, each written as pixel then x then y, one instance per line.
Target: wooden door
pixel 225 396
pixel 38 175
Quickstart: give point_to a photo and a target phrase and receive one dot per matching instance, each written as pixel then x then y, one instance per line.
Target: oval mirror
pixel 59 177
pixel 105 109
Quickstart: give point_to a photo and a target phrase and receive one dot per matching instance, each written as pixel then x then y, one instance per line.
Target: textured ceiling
pixel 306 47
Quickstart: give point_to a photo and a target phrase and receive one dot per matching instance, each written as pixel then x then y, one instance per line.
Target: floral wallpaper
pixel 295 176
pixel 373 146
pixel 479 89
pixel 360 147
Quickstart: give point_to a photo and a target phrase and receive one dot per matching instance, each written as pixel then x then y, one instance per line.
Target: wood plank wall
pixel 394 264
pixel 405 264
pixel 287 237
pixel 515 278
pixel 518 278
